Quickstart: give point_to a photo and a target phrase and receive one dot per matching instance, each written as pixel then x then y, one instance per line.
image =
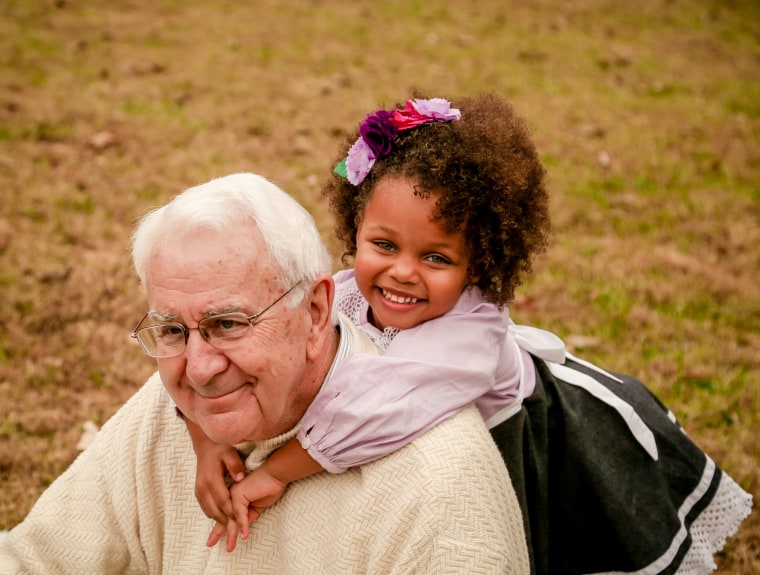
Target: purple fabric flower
pixel 378 132
pixel 359 162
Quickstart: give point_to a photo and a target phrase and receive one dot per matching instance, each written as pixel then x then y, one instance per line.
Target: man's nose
pixel 203 360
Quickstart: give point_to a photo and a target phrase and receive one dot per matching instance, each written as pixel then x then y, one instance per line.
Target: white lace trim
pixel 352 304
pixel 709 532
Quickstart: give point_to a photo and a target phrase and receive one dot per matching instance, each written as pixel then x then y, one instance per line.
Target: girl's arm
pixel 215 461
pixel 264 486
pixel 373 405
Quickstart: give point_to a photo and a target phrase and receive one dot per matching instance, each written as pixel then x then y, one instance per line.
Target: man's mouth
pixel 222 394
pixel 397 299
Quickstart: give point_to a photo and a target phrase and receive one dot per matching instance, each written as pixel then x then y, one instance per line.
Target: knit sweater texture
pixel 443 504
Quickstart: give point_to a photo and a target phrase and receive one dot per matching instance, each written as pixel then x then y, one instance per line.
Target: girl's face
pixel 406 266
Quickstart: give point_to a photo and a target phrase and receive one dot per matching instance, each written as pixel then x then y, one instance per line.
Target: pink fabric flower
pixel 418 112
pixel 408 117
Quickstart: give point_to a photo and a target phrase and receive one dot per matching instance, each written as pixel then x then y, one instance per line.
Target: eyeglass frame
pixel 252 319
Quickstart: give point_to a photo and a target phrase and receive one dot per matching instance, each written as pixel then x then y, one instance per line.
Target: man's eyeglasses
pixel 168 339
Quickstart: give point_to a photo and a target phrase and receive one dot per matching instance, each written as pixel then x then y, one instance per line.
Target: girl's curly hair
pixel 490 185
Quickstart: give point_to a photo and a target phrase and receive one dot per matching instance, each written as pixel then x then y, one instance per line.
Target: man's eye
pixel 230 323
pixel 170 330
pixel 167 334
pixel 225 326
pixel 222 323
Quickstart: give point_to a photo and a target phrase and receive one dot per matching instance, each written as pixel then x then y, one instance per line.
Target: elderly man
pixel 240 296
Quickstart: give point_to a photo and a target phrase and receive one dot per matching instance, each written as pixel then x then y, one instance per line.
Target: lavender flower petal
pixel 437 108
pixel 359 162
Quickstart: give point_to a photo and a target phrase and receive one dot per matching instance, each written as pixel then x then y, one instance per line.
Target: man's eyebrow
pixel 172 317
pixel 157 315
pixel 232 308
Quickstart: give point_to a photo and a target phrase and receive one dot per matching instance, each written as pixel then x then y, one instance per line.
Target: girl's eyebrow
pixel 381 227
pixel 444 244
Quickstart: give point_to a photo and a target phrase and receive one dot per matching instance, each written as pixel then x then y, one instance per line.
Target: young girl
pixel 443 209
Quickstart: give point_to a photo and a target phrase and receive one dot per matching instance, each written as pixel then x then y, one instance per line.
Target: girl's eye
pixel 383 245
pixel 438 259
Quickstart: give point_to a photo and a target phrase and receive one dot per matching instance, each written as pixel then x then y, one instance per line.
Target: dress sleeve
pixel 373 405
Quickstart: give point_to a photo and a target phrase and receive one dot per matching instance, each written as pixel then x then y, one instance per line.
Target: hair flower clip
pixel 378 130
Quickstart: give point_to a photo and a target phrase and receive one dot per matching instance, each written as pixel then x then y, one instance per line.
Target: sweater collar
pixel 256 452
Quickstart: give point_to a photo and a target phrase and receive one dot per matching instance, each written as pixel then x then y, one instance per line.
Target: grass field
pixel 646 114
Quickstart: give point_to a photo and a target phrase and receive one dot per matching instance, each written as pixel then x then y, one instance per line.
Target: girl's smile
pixel 397 298
pixel 407 267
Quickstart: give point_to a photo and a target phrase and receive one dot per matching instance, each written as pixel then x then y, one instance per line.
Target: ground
pixel 646 116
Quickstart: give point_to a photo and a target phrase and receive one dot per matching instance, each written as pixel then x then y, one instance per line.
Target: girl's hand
pixel 215 462
pixel 251 496
pixel 219 529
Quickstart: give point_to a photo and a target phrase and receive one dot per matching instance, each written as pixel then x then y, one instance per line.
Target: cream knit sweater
pixel 443 504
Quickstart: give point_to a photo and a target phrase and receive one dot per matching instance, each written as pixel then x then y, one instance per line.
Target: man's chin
pixel 220 429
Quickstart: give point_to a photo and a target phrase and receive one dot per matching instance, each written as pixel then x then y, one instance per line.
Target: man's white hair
pixel 288 230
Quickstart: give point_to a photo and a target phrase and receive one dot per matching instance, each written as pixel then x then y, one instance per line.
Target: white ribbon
pixel 549 347
pixel 538 342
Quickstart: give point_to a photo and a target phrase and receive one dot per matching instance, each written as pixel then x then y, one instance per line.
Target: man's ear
pixel 320 307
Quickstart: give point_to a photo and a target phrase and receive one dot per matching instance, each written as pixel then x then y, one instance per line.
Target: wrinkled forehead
pixel 237 238
pixel 236 255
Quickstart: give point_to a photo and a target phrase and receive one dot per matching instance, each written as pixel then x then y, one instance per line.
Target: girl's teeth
pixel 397 299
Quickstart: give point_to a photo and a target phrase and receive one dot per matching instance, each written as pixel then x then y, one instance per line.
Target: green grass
pixel 647 116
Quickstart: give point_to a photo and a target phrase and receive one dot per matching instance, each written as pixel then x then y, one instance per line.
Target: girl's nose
pixel 404 270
